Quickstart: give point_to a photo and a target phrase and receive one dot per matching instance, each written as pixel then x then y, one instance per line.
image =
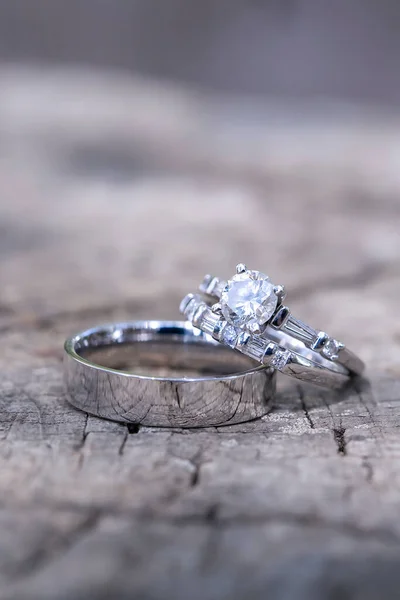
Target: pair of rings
pixel 188 374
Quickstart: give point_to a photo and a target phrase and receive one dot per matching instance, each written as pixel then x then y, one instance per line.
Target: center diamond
pixel 249 300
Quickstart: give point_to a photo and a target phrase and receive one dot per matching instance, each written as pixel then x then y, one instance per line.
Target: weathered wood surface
pixel 116 196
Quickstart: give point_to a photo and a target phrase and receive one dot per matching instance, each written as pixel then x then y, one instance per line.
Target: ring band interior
pixel 160 351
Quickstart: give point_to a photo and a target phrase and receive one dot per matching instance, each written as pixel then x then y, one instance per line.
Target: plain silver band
pixel 196 401
pixel 286 354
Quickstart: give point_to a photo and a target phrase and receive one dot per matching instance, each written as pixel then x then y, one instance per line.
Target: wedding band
pixel 250 317
pixel 163 373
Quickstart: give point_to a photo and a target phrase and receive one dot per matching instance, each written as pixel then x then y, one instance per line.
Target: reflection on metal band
pixel 163 374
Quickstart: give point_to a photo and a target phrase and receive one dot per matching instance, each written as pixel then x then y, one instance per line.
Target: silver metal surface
pixel 284 328
pixel 274 348
pixel 163 373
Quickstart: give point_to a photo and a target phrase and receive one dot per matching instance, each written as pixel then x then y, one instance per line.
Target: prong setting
pixel 280 317
pixel 185 303
pixel 209 285
pixel 256 328
pixel 241 268
pixel 320 341
pixel 216 308
pixel 331 348
pixel 280 292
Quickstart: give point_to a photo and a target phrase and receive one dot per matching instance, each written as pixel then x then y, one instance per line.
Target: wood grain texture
pixel 117 195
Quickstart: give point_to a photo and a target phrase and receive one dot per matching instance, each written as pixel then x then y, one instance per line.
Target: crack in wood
pixel 338 430
pixel 195 477
pixel 196 464
pixel 81 445
pixel 368 470
pixel 340 440
pixel 211 514
pixel 133 428
pixel 178 398
pixel 85 432
pixel 130 429
pixel 304 407
pixel 121 449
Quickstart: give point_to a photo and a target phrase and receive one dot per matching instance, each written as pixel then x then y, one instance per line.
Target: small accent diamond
pixel 229 335
pixel 280 359
pixel 331 348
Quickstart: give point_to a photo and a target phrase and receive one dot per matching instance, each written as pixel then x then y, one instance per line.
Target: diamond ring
pixel 250 316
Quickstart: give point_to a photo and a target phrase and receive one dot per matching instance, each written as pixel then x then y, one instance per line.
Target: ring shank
pixel 278 350
pixel 162 352
pixel 163 374
pixel 298 347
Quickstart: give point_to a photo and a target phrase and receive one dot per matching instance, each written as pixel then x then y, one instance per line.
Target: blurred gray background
pixel 347 49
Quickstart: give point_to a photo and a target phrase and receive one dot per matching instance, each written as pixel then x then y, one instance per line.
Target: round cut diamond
pixel 332 348
pixel 248 300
